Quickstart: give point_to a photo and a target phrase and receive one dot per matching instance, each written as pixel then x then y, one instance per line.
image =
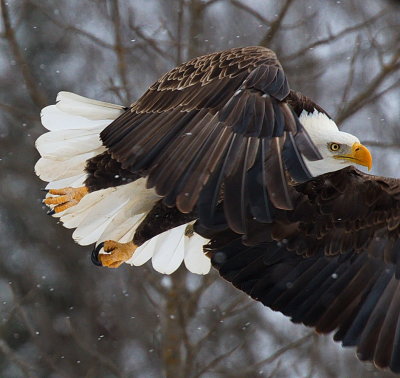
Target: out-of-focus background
pixel 60 316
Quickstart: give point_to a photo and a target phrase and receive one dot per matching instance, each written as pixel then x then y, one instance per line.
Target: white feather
pixel 57 144
pixel 53 118
pixel 323 131
pixel 143 253
pixel 74 182
pixel 74 125
pixel 97 220
pixel 72 217
pixel 169 250
pixel 45 168
pixel 92 109
pixel 195 259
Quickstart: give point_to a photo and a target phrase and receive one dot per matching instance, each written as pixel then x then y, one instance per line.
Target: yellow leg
pixel 65 198
pixel 117 254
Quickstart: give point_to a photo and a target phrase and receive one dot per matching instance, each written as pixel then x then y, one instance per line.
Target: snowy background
pixel 60 316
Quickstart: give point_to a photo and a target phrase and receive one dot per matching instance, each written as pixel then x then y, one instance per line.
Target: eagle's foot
pixel 117 253
pixel 64 198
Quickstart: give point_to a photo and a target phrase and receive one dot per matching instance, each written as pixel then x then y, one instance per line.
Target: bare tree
pixel 61 316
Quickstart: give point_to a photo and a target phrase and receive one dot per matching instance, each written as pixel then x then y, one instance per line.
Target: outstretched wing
pixel 217 122
pixel 332 263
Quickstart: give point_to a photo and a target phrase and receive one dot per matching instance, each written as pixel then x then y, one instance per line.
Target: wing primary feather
pixel 279 122
pixel 386 337
pixel 164 173
pixel 285 300
pixel 352 336
pixel 235 193
pixel 276 178
pixel 150 150
pixel 234 154
pixel 202 186
pixel 268 121
pixel 313 290
pixel 137 142
pixel 257 191
pixel 349 299
pixel 186 197
pixel 119 128
pixel 246 119
pixel 255 127
pixel 294 161
pixel 370 334
pixel 210 195
pixel 395 357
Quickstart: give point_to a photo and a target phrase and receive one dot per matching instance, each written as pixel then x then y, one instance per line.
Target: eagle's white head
pixel 338 149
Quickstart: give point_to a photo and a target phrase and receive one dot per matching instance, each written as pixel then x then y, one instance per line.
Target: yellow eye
pixel 334 146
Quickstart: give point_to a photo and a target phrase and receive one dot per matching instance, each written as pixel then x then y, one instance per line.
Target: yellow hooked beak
pixel 359 155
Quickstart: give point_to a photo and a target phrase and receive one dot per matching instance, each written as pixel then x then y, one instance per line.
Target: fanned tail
pixel 74 125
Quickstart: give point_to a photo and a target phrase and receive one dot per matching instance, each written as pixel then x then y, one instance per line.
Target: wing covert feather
pixel 212 117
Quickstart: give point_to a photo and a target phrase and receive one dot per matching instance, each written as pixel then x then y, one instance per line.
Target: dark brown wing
pixel 217 121
pixel 332 263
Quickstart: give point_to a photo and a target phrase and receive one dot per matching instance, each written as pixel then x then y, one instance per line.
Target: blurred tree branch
pixel 333 37
pixel 94 354
pixel 238 4
pixel 193 331
pixel 120 52
pixel 279 352
pixel 276 24
pixel 27 369
pixel 37 96
pixel 369 94
pixel 71 28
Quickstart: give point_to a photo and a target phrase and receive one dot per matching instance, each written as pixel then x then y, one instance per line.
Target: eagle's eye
pixel 334 146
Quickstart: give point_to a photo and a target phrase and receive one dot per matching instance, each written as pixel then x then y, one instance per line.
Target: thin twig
pixel 150 41
pixel 18 111
pixel 100 358
pixel 27 369
pixel 279 352
pixel 216 361
pixel 365 96
pixel 37 95
pixel 250 11
pixel 120 52
pixel 352 70
pixel 331 38
pixel 275 26
pixel 74 29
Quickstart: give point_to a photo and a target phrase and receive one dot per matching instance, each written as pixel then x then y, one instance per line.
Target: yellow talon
pixel 65 198
pixel 117 254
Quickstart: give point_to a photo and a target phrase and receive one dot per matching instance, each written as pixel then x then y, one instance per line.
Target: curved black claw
pixel 51 212
pixel 45 190
pixel 95 254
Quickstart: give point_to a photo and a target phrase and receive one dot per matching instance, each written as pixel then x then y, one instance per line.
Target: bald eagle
pixel 221 163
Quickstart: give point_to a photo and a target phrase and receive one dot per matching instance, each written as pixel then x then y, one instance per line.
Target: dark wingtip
pixel 51 212
pixel 95 255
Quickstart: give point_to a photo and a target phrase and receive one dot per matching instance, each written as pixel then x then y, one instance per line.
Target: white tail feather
pixel 170 248
pixel 74 125
pixel 92 109
pixel 194 261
